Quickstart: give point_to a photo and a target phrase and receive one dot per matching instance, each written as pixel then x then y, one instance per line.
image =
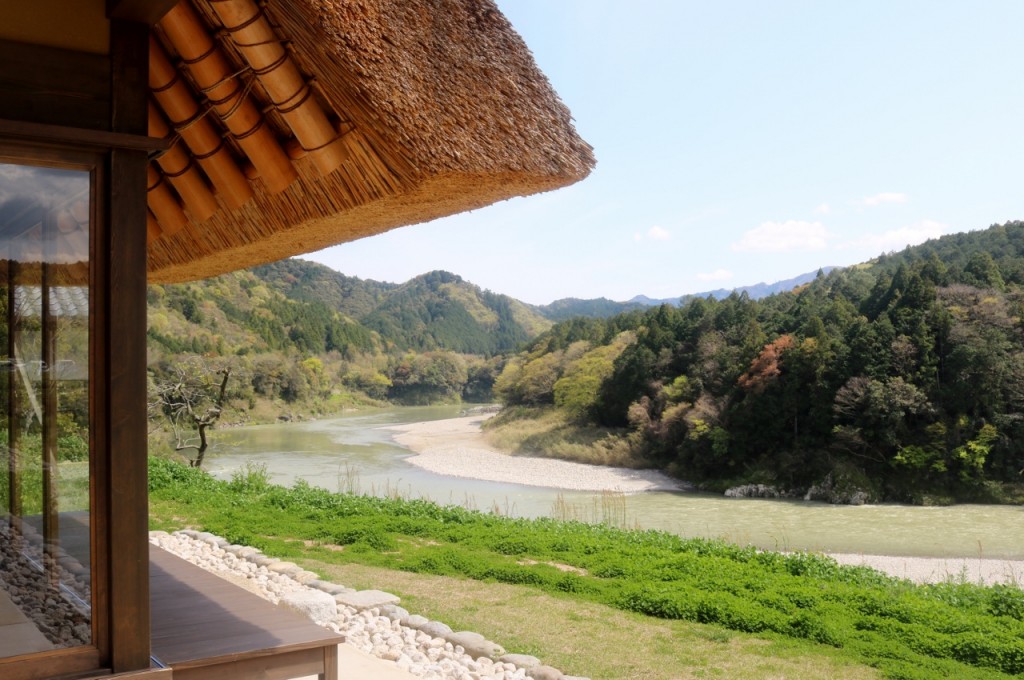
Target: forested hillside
pixel 299 337
pixel 567 308
pixel 902 378
pixel 441 311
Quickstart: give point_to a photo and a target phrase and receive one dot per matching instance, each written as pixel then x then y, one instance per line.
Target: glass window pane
pixel 45 553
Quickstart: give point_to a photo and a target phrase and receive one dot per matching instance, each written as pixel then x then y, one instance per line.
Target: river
pixel 356 452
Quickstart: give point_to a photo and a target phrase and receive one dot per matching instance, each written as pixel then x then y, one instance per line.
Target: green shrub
pixel 1005 600
pixel 806 625
pixel 251 478
pixel 509 546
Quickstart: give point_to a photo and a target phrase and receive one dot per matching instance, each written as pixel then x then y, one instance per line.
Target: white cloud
pixel 884 197
pixel 717 275
pixel 823 209
pixel 658 233
pixel 779 237
pixel 897 239
pixel 655 233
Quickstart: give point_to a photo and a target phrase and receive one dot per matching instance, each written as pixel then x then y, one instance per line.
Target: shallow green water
pixel 355 453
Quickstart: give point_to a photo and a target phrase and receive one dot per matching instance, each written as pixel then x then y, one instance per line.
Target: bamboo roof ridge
pixel 390 112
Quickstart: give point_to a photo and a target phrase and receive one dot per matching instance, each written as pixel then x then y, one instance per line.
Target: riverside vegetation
pixel 847 616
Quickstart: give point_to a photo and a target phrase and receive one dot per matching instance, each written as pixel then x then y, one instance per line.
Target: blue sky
pixel 742 141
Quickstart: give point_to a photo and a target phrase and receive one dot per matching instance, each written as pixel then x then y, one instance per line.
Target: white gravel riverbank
pixel 940 569
pixel 456 447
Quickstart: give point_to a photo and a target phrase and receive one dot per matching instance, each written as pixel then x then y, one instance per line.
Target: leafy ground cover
pixel 855 614
pixel 596 640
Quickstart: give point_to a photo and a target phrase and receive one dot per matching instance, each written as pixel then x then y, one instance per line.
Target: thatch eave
pixel 436 197
pixel 440 107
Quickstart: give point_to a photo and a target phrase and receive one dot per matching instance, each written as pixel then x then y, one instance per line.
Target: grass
pixel 594 640
pixel 609 509
pixel 806 608
pixel 72 478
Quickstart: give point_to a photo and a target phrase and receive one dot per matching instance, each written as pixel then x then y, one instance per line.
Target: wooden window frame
pixel 86 657
pixel 116 158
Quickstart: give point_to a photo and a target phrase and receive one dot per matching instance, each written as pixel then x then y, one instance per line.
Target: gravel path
pixel 456 447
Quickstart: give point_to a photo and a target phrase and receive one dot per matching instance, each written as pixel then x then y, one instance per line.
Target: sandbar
pixel 457 448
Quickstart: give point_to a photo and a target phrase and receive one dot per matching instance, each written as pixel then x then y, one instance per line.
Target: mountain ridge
pixel 566 308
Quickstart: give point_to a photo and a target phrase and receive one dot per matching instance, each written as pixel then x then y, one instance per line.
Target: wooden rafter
pixel 144 11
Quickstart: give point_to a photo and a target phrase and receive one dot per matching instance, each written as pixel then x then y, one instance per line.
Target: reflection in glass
pixel 45 595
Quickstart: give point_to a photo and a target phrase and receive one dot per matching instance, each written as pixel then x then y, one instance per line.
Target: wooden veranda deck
pixel 206 628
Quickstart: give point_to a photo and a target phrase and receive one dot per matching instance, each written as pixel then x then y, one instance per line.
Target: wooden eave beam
pixel 62 134
pixel 143 11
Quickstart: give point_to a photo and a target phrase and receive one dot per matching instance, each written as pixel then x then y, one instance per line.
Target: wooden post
pixel 120 278
pixel 13 422
pixel 51 518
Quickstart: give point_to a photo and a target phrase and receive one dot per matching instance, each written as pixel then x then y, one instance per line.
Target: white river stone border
pixel 370 620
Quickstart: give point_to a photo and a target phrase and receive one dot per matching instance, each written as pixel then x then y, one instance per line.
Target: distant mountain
pixel 300 332
pixel 567 308
pixel 645 301
pixel 755 292
pixel 308 281
pixel 304 306
pixel 601 308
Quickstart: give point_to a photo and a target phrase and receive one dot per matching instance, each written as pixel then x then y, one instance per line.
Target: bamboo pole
pixel 206 143
pixel 214 74
pixel 163 203
pixel 183 175
pixel 153 230
pixel 262 49
pixel 294 149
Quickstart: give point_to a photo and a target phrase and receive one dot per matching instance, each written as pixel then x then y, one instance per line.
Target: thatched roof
pixel 378 114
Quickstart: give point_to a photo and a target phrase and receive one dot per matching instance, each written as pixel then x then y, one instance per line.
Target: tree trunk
pixel 201 449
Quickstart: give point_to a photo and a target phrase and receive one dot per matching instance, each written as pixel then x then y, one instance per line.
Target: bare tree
pixel 192 399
